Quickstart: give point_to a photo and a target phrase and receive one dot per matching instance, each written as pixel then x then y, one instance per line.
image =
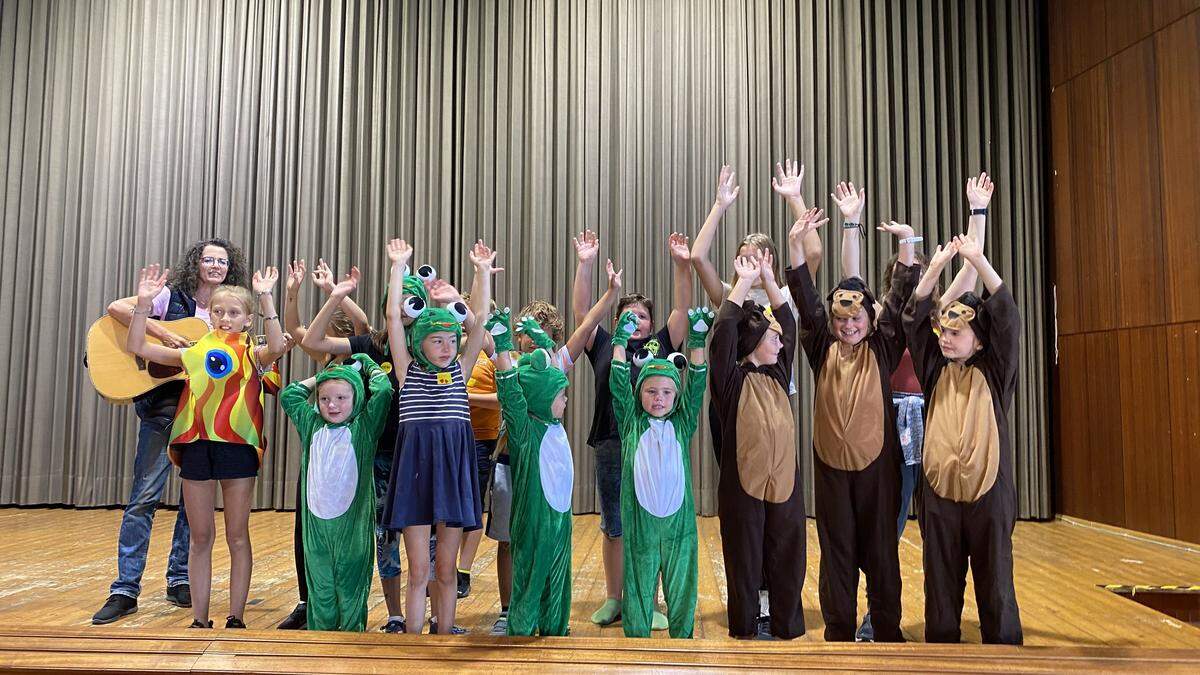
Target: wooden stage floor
pixel 56 565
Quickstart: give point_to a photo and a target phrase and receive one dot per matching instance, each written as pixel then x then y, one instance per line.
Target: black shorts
pixel 214 460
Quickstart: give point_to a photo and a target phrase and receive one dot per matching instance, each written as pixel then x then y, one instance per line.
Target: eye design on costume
pixel 678 360
pixel 641 356
pixel 218 363
pixel 426 273
pixel 413 306
pixel 459 311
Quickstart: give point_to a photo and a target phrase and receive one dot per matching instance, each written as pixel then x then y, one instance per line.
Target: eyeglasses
pixel 209 260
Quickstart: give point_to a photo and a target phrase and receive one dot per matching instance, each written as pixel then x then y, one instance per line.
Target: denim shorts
pixel 387 542
pixel 500 510
pixel 608 482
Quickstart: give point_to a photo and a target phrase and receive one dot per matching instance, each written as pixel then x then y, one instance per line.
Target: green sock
pixel 609 612
pixel 658 621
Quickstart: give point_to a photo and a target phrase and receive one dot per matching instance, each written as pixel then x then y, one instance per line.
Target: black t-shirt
pixel 604 422
pixel 362 344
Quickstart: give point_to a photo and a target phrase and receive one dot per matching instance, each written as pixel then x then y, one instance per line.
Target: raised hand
pixel 898 230
pixel 499 325
pixel 348 285
pixel 942 256
pixel 587 246
pixel 399 252
pixel 264 280
pixel 529 326
pixel 626 325
pixel 789 179
pixel 483 258
pixel 296 272
pixel 727 187
pixel 678 244
pixel 968 247
pixel 151 281
pixel 747 267
pixel 322 276
pixel 700 322
pixel 766 268
pixel 979 191
pixel 614 277
pixel 849 202
pixel 443 292
pixel 809 221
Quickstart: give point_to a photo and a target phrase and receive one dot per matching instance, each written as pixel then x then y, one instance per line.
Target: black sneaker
pixel 233 622
pixel 866 632
pixel 297 620
pixel 114 608
pixel 454 630
pixel 197 623
pixel 180 595
pixel 394 626
pixel 764 628
pixel 464 584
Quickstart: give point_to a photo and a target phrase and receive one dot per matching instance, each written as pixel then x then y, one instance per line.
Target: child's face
pixel 767 351
pixel 524 343
pixel 959 345
pixel 229 314
pixel 751 249
pixel 440 348
pixel 644 328
pixel 658 395
pixel 559 406
pixel 215 271
pixel 853 330
pixel 335 400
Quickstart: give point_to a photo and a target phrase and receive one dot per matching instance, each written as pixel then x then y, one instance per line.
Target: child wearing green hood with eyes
pixel 337 494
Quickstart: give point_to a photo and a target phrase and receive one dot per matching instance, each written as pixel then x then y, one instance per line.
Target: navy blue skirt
pixel 434 477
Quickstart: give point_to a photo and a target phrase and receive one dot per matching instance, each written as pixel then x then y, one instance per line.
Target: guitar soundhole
pixel 159 371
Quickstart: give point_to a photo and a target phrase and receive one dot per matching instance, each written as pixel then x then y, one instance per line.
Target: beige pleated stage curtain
pixel 302 129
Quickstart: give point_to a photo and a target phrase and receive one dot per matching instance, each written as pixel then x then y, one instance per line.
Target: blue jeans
pixel 608 482
pixel 151 468
pixel 908 481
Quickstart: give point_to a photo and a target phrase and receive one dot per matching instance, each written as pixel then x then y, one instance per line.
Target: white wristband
pixel 912 240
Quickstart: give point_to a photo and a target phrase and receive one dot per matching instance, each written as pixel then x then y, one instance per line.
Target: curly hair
pixel 185 276
pixel 547 316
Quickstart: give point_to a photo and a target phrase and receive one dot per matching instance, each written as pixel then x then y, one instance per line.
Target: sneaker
pixel 866 632
pixel 180 595
pixel 197 623
pixel 764 628
pixel 297 620
pixel 454 630
pixel 464 584
pixel 394 626
pixel 114 608
pixel 500 628
pixel 233 622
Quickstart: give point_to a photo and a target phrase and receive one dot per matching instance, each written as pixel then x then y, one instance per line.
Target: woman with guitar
pixel 204 266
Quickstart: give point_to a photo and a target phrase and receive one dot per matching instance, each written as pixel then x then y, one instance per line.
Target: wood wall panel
pixel 1072 462
pixel 1066 258
pixel 1085 34
pixel 1145 431
pixel 1136 181
pixel 1091 193
pixel 1178 75
pixel 1183 348
pixel 1126 22
pixel 1166 11
pixel 1103 450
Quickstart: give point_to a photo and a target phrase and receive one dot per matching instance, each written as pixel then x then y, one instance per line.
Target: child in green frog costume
pixel 532 400
pixel 657 510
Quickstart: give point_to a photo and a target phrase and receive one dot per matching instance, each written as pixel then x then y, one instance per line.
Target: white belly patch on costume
pixel 332 473
pixel 658 478
pixel 556 468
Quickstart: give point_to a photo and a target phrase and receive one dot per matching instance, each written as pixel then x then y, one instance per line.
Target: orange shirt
pixel 485 421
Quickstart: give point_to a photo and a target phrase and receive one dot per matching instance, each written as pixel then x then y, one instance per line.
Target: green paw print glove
pixel 700 322
pixel 626 325
pixel 499 324
pixel 529 326
pixel 366 365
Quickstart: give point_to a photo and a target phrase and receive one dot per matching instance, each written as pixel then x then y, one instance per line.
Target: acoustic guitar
pixel 120 376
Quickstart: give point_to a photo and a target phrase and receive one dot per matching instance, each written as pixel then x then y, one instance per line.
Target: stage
pixel 56 564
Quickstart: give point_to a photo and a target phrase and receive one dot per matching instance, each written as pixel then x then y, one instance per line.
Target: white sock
pixel 764 603
pixel 396 618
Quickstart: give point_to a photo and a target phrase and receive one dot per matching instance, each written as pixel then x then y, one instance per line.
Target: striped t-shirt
pixel 434 397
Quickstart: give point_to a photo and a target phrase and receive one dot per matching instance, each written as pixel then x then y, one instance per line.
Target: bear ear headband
pixel 846 304
pixel 955 317
pixel 772 324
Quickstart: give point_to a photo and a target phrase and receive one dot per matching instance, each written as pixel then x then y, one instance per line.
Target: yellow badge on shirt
pixel 386 367
pixel 445 378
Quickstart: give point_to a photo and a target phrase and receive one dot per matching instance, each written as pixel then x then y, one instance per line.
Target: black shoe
pixel 297 620
pixel 454 630
pixel 464 584
pixel 866 632
pixel 180 595
pixel 233 622
pixel 114 608
pixel 394 626
pixel 197 623
pixel 764 628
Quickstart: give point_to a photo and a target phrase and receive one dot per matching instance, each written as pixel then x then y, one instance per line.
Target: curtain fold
pixel 320 129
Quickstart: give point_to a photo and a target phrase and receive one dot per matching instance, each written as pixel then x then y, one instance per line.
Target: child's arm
pixel 379 397
pixel 918 329
pixel 775 295
pixel 619 378
pixel 294 401
pixel 1004 331
pixel 323 279
pixel 851 204
pixel 789 182
pixel 700 323
pixel 814 324
pixel 398 252
pixel 903 281
pixel 514 409
pixel 677 321
pixel 150 282
pixel 263 283
pixel 727 193
pixel 483 259
pixel 979 195
pixel 587 246
pixel 578 341
pixel 291 309
pixel 316 338
pixel 747 269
